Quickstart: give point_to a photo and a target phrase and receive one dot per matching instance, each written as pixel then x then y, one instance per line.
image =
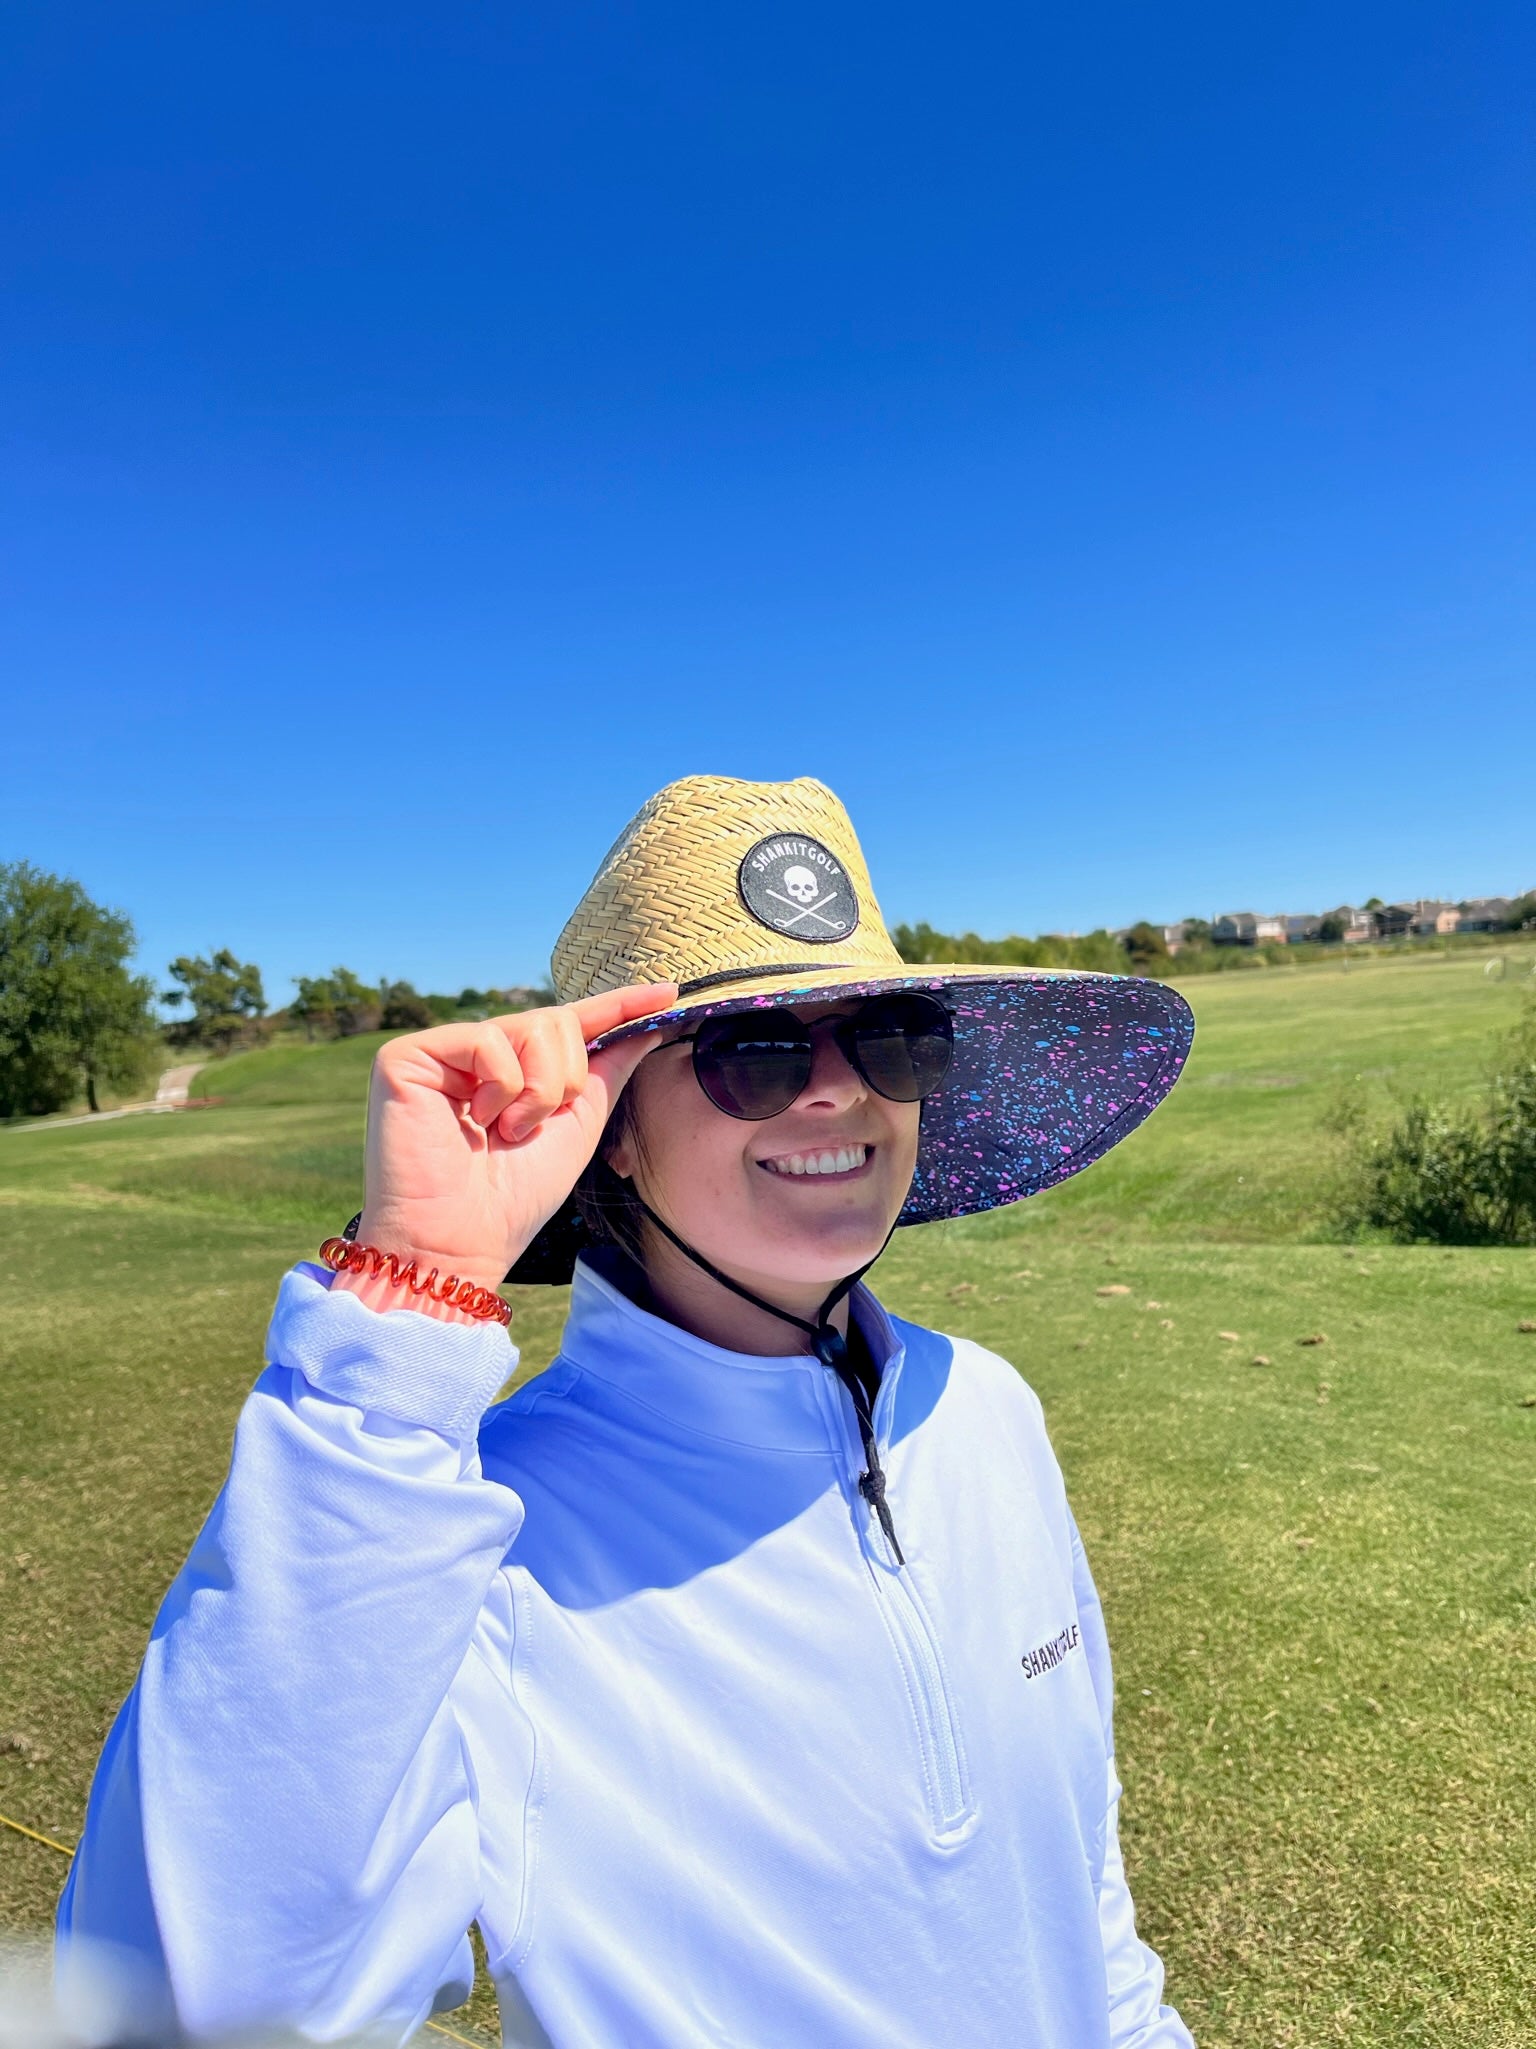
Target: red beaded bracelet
pixel 341 1255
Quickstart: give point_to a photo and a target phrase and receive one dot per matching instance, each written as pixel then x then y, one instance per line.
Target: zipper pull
pixel 872 1487
pixel 832 1350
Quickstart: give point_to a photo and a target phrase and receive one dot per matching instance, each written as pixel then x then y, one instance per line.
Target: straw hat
pixel 750 894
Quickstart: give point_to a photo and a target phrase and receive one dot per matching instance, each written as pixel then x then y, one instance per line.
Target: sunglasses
pixel 758 1062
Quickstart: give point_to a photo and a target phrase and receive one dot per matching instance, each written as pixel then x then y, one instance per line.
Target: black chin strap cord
pixel 829 1346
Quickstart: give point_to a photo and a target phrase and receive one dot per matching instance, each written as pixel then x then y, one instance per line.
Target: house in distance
pixel 1424 918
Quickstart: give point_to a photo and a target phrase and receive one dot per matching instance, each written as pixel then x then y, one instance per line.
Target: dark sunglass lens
pixel 904 1044
pixel 752 1067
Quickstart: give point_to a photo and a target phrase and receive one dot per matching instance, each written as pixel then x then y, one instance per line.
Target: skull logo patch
pixel 797 886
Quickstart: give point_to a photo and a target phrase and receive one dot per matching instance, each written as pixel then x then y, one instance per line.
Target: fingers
pixel 553 1057
pixel 612 1066
pixel 599 1014
pixel 451 1057
pixel 513 1072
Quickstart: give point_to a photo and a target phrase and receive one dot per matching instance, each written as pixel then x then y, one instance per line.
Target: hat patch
pixel 797 886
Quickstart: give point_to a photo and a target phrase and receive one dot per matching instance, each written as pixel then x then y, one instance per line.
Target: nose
pixel 834 1082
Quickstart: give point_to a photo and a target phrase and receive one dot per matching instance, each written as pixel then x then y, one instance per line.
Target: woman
pixel 743 1674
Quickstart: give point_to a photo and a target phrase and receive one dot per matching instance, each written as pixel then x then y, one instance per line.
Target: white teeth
pixel 843 1161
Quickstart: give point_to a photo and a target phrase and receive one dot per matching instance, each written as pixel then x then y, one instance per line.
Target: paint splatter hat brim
pixel 1050 1070
pixel 718 885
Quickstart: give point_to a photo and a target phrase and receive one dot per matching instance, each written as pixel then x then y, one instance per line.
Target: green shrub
pixel 403 1010
pixel 1147 949
pixel 1453 1176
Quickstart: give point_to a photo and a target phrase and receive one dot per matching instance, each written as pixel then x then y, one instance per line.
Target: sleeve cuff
pixel 393 1362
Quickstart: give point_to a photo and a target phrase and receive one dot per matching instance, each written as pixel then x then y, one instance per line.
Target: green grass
pixel 1243 1148
pixel 1320 1574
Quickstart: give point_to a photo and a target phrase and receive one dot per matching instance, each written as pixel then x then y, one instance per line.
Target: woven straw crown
pixel 666 906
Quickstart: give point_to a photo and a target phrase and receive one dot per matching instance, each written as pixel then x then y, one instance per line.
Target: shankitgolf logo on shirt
pixel 1046 1656
pixel 799 887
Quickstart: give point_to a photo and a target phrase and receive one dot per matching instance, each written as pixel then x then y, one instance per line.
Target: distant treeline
pixel 338 1005
pixel 1100 950
pixel 228 1007
pixel 75 1021
pixel 1143 950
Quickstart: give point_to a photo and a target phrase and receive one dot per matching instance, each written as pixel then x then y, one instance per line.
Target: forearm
pixel 287 1782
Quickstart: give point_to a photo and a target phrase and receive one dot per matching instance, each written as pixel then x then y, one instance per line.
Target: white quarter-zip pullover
pixel 623 1668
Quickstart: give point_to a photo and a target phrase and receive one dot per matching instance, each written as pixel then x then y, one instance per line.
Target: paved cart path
pixel 175 1084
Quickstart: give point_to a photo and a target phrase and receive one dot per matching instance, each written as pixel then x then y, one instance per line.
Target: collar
pixel 772 1401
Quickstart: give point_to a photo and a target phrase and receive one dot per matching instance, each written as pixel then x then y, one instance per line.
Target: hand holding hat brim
pixel 477 1132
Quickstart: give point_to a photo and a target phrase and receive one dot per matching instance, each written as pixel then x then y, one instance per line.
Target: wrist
pixel 386 1277
pixel 377 1291
pixel 387 1231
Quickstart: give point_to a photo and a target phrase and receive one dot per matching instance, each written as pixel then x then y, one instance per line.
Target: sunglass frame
pixel 845 1031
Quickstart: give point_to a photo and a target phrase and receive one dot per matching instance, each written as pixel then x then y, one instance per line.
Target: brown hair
pixel 605 1199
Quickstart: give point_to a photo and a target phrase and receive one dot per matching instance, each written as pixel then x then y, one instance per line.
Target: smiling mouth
pixel 840 1162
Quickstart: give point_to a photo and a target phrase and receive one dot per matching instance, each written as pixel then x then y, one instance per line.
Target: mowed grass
pixel 1319 1574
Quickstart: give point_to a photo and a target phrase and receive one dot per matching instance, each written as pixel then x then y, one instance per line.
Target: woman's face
pixel 729 1186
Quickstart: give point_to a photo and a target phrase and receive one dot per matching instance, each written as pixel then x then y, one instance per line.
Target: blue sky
pixel 1098 442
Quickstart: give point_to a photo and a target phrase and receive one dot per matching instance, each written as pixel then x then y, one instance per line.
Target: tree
pixel 70 1012
pixel 357 1006
pixel 403 1010
pixel 919 943
pixel 1146 946
pixel 1522 912
pixel 1097 950
pixel 315 1004
pixel 1197 932
pixel 225 994
pixel 1330 930
pixel 337 1004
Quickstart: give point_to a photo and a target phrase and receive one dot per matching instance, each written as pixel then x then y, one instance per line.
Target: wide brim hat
pixel 750 895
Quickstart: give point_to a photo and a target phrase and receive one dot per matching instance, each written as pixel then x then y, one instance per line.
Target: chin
pixel 823 1255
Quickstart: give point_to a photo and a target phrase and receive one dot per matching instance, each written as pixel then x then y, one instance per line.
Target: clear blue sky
pixel 1097 441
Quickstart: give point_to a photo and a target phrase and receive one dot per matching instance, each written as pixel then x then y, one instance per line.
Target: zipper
pixel 911 1633
pixel 950 1793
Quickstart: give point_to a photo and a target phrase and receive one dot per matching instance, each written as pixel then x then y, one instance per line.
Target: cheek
pixel 691 1156
pixel 910 1131
pixel 697 1173
pixel 906 1126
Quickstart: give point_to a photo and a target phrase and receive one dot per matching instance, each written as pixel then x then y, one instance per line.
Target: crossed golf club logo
pixel 808 897
pixel 796 885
